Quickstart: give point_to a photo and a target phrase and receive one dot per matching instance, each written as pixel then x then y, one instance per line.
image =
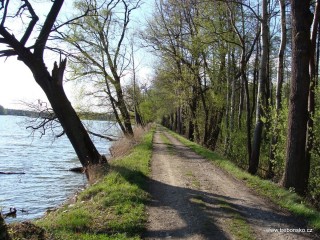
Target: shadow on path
pixel 196 213
pixel 208 207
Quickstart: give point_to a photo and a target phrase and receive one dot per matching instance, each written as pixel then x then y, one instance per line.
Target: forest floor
pixel 191 198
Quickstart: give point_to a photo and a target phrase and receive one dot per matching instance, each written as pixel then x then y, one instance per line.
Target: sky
pixel 17 84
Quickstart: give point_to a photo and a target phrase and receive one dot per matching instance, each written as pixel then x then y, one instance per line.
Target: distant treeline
pixel 96 116
pixel 82 115
pixel 2 110
pixel 19 112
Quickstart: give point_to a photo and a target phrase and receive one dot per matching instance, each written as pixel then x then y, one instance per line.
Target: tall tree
pixel 313 82
pixel 261 96
pixel 99 51
pixel 173 33
pixel 280 80
pixel 296 168
pixel 135 100
pixel 32 55
pixel 246 52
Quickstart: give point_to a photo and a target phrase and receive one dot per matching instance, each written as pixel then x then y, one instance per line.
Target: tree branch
pixel 72 20
pixel 47 28
pixel 57 71
pixel 34 20
pixel 101 136
pixel 8 53
pixel 4 12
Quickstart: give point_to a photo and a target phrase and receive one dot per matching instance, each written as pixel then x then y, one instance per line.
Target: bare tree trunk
pixel 240 106
pixel 191 130
pixel 180 120
pixel 69 120
pixel 232 103
pixel 137 116
pixel 214 129
pixel 280 78
pixel 193 108
pixel 227 110
pixel 244 88
pixel 261 98
pixel 295 174
pixel 255 77
pixel 248 118
pixel 121 104
pixel 313 79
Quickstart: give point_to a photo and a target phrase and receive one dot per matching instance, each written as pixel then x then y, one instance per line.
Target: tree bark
pixel 180 121
pixel 121 104
pixel 214 129
pixel 280 78
pixel 248 118
pixel 295 174
pixel 280 70
pixel 313 79
pixel 191 130
pixel 68 118
pixel 227 110
pixel 193 109
pixel 240 105
pixel 232 103
pixel 261 98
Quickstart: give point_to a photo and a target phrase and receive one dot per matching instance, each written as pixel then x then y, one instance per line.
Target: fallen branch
pixel 77 169
pixel 101 136
pixel 12 173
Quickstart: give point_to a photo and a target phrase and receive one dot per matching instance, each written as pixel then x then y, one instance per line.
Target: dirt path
pixel 193 199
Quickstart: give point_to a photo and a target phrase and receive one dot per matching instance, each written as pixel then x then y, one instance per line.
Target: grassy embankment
pixel 112 208
pixel 284 198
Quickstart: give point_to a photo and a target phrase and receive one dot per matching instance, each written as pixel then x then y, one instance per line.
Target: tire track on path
pixel 193 199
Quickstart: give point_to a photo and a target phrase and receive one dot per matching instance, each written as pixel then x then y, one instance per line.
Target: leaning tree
pixel 29 47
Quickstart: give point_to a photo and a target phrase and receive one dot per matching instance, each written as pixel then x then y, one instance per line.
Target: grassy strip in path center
pixel 282 197
pixel 113 208
pixel 167 142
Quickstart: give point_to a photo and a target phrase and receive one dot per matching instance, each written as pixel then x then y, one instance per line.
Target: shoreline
pixel 106 206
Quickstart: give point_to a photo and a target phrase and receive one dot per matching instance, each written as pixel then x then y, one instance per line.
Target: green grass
pixel 194 181
pixel 167 142
pixel 236 224
pixel 113 208
pixel 282 197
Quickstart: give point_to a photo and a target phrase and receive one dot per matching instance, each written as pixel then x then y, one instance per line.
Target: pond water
pixel 46 182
